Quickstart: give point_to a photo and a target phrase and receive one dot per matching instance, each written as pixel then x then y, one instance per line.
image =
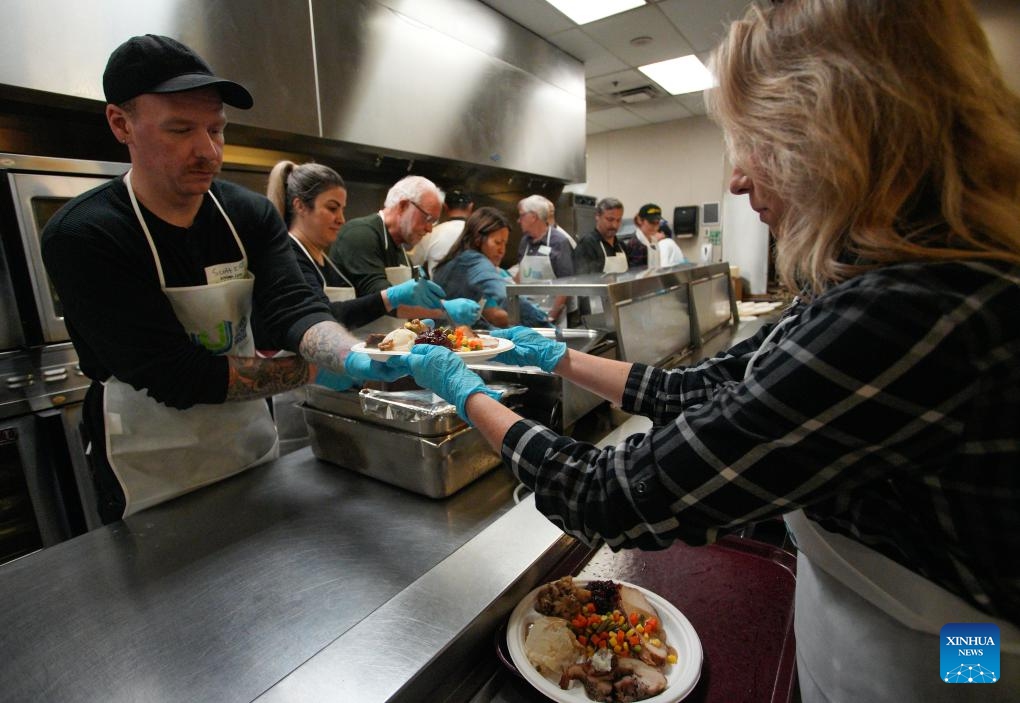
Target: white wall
pixel 682 162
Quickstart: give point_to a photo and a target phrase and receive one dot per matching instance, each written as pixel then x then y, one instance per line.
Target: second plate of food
pixel 477 355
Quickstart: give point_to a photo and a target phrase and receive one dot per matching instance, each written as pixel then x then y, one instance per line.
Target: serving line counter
pixel 657 316
pixel 295 581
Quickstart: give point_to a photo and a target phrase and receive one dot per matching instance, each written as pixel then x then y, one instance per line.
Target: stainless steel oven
pixel 46 494
pixel 36 188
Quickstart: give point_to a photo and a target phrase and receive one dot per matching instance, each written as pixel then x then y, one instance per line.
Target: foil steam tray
pixel 419 412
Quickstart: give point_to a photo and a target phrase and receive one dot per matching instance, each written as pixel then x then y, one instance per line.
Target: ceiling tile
pixel 597 61
pixel 599 102
pixel 615 34
pixel 661 110
pixel 695 102
pixel 615 82
pixel 702 23
pixel 677 27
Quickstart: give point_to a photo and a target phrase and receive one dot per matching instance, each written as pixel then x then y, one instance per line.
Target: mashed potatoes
pixel 398 340
pixel 551 646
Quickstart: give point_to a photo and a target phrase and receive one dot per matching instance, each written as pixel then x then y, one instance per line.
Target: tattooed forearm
pixel 252 377
pixel 327 344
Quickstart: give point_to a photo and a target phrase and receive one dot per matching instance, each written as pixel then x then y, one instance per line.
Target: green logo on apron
pixel 221 342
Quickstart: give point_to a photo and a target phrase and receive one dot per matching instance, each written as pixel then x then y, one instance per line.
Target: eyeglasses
pixel 428 218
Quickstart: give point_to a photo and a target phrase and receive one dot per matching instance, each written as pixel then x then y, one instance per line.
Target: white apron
pixel 159 452
pixel 651 252
pixel 335 294
pixel 615 263
pixel 867 628
pixel 538 267
pixel 395 275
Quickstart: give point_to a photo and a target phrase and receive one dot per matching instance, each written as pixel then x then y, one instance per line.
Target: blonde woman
pixel 879 415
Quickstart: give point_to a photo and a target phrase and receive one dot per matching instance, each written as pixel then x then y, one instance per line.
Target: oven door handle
pixel 52 483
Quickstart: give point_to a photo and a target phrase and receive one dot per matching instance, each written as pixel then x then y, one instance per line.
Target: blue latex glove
pixel 462 311
pixel 530 348
pixel 359 368
pixel 428 322
pixel 439 369
pixel 423 293
pixel 333 380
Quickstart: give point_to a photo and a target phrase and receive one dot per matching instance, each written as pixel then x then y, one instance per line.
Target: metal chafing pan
pixel 418 412
pixel 411 439
pixel 432 466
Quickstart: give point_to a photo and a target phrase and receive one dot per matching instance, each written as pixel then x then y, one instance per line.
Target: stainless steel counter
pixel 268 577
pixel 294 581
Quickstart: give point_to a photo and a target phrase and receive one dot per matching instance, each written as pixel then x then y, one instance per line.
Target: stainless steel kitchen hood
pixel 449 81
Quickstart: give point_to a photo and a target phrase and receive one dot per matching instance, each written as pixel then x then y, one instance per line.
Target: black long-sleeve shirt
pixel 350 313
pixel 118 318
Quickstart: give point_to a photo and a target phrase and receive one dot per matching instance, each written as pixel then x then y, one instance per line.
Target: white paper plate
pixel 468 356
pixel 682 676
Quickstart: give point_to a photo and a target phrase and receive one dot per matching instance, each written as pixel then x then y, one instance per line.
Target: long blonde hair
pixel 885 128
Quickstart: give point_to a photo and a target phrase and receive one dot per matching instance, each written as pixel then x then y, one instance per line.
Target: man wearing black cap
pixel 661 251
pixel 158 273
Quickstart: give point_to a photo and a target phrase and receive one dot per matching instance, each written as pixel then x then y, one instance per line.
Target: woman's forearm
pixel 497 317
pixel 606 378
pixel 491 418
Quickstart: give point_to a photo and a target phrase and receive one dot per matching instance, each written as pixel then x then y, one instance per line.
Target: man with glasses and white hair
pixel 543 254
pixel 371 251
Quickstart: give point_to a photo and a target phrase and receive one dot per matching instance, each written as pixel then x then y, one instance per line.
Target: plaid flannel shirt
pixel 888 408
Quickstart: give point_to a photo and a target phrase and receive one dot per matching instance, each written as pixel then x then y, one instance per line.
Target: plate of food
pixel 468 344
pixel 578 641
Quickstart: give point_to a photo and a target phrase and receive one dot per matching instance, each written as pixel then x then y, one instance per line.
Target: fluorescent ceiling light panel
pixel 585 11
pixel 678 76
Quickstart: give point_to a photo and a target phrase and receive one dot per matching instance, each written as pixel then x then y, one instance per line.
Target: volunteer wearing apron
pixel 600 251
pixel 471 270
pixel 158 274
pixel 206 443
pixel 371 251
pixel 662 250
pixel 543 255
pixel 879 415
pixel 311 198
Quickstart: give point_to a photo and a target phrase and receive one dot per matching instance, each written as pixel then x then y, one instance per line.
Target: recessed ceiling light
pixel 585 11
pixel 677 76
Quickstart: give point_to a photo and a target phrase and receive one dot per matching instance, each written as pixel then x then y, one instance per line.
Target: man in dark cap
pixel 159 272
pixel 660 250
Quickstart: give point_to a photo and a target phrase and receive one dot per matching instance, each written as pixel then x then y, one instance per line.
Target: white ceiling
pixel 675 27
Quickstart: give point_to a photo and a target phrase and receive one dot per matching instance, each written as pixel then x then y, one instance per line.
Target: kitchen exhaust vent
pixel 637 95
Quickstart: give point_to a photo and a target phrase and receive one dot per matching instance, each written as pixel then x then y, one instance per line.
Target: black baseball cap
pixel 458 197
pixel 156 64
pixel 650 212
